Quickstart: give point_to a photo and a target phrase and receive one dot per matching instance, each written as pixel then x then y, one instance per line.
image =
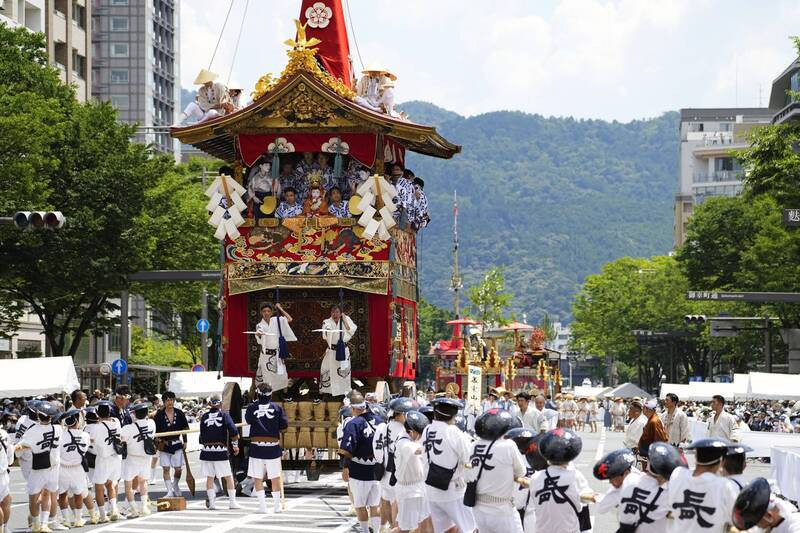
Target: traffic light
pixel 695 319
pixel 39 219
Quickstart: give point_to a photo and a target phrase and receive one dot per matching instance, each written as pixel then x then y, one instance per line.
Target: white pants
pixel 195 111
pixel 445 514
pixel 387 491
pixel 72 479
pixel 174 460
pixel 264 468
pixel 412 511
pixel 136 466
pixel 107 469
pixel 497 520
pixel 218 469
pixel 365 493
pixel 334 376
pixel 4 484
pixel 43 479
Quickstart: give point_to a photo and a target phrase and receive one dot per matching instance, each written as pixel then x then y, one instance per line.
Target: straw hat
pixel 205 76
pixel 374 67
pixel 387 85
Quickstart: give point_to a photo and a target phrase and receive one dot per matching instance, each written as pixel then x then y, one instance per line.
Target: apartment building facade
pixel 707 167
pixel 65 25
pixel 136 65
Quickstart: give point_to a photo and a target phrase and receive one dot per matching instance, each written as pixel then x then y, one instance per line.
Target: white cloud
pixel 614 59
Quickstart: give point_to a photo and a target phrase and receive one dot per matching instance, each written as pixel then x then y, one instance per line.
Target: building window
pixel 29 348
pixel 120 75
pixel 121 101
pixel 79 15
pixel 78 65
pixel 119 50
pixel 119 23
pixel 727 163
pixel 115 340
pixel 726 126
pixel 119 2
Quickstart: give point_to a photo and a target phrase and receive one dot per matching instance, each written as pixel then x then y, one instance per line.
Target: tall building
pixel 707 167
pixel 786 107
pixel 64 23
pixel 136 65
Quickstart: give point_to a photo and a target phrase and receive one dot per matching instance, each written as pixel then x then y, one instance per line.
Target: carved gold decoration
pixel 301 58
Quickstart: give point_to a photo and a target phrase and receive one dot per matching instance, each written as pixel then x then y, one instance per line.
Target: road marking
pixel 601 445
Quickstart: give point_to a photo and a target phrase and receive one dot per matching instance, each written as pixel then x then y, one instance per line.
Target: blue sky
pixel 615 60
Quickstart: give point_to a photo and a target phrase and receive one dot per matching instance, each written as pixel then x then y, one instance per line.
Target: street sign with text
pixel 791 217
pixel 755 297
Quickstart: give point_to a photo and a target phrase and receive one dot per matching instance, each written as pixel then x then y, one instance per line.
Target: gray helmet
pixel 401 405
pixel 751 504
pixel 494 423
pixel 614 464
pixel 416 421
pixel 560 445
pixel 663 458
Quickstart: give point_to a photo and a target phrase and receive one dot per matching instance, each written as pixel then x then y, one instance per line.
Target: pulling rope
pixel 220 36
pixel 238 38
pixel 353 33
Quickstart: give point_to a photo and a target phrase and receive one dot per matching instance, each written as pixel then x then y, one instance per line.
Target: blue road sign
pixel 198 368
pixel 202 325
pixel 119 367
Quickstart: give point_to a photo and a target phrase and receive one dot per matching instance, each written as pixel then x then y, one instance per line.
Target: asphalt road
pixel 311 506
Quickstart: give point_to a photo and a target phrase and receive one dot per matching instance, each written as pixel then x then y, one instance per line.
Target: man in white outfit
pixel 447 450
pixel 271 368
pixel 634 430
pixel 722 423
pixel 335 372
pixel 212 99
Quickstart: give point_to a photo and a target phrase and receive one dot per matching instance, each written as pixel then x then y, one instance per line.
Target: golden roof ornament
pixel 301 58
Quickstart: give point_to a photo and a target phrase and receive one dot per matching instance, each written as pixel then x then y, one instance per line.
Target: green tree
pixel 641 294
pixel 432 324
pixel 127 209
pixel 488 299
pixel 34 117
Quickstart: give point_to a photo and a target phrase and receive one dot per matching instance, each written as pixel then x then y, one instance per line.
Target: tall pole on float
pixel 455 280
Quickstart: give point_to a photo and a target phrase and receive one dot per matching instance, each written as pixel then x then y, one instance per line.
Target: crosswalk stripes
pixel 309 508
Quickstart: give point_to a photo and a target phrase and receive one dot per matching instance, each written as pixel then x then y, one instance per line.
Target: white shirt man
pixel 634 430
pixel 700 503
pixel 334 374
pixel 556 498
pixel 271 368
pixel 531 416
pixel 448 447
pixel 721 424
pixel 675 421
pixel 645 504
pixel 5 460
pixel 502 464
pixel 410 493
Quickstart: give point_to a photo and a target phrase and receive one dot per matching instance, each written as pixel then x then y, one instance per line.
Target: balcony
pixel 711 138
pixel 788 113
pixel 718 176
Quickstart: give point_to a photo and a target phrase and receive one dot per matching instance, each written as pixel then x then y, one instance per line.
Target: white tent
pixel 200 384
pixel 37 376
pixel 703 391
pixel 763 386
pixel 740 384
pixel 589 392
pixel 627 390
pixel 676 388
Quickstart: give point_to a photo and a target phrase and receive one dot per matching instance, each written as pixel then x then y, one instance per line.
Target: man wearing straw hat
pixel 212 99
pixel 370 87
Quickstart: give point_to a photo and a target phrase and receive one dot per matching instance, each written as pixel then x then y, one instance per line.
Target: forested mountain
pixel 548 199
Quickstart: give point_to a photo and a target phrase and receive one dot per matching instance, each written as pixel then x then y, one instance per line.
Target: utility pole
pixel 124 331
pixel 768 344
pixel 204 334
pixel 455 280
